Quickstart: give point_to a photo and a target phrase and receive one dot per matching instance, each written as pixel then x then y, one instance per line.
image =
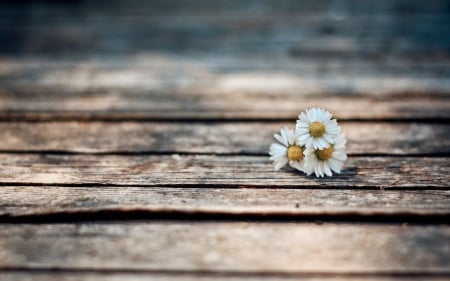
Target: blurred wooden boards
pixel 234 247
pixel 186 276
pixel 160 86
pixel 410 28
pixel 225 60
pixel 238 106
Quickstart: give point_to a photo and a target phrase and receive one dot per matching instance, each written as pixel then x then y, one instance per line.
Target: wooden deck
pixel 134 140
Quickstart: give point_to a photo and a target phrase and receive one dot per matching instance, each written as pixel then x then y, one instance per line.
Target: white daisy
pixel 287 151
pixel 316 129
pixel 323 161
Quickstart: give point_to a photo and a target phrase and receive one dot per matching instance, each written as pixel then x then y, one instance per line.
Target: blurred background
pixel 192 54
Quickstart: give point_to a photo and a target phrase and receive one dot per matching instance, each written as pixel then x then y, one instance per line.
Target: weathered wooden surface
pixel 37 200
pixel 216 138
pixel 225 61
pixel 198 170
pixel 193 73
pixel 237 247
pixel 187 276
pixel 398 28
pixel 115 105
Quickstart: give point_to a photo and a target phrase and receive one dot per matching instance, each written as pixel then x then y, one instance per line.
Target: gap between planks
pixel 69 274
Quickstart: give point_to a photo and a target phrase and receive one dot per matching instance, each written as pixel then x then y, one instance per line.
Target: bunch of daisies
pixel 316 146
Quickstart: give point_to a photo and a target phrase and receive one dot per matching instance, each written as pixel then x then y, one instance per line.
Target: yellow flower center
pixel 316 129
pixel 295 153
pixel 325 154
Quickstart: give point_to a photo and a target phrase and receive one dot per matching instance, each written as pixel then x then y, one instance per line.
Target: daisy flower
pixel 287 150
pixel 323 161
pixel 316 129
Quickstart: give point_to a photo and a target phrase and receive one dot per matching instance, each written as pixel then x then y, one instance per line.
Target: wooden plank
pixel 222 86
pixel 202 104
pixel 227 7
pixel 236 247
pixel 218 138
pixel 267 83
pixel 210 170
pixel 144 86
pixel 194 276
pixel 126 28
pixel 46 200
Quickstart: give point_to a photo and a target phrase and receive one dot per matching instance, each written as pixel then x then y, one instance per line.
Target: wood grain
pixel 200 104
pixel 197 65
pixel 46 200
pixel 194 276
pixel 236 247
pixel 210 170
pixel 217 138
pixel 224 61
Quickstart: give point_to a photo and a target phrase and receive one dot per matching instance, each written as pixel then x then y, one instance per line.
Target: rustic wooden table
pixel 134 140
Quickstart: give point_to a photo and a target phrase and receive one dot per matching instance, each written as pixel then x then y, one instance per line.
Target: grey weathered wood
pixel 145 87
pixel 241 85
pixel 113 104
pixel 221 60
pixel 193 276
pixel 237 247
pixel 39 200
pixel 381 60
pixel 247 138
pixel 167 170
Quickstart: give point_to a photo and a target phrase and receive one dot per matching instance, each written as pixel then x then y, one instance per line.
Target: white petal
pixel 317 173
pixel 297 165
pixel 280 164
pixel 303 123
pixel 329 138
pixel 327 170
pixel 332 127
pixel 322 168
pixel 319 168
pixel 316 143
pixel 309 142
pixel 311 114
pixel 301 130
pixel 278 157
pixel 304 118
pixel 339 155
pixel 276 149
pixel 284 134
pixel 317 115
pixel 291 137
pixel 308 168
pixel 326 115
pixel 300 142
pixel 335 165
pixel 303 136
pixel 322 143
pixel 340 141
pixel 280 139
pixel 302 139
pixel 310 162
